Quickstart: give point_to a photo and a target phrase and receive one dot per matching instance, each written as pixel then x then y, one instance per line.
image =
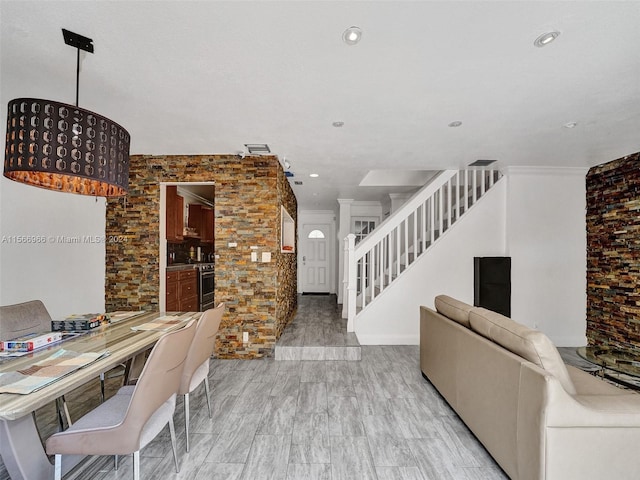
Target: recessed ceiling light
pixel 546 39
pixel 314 175
pixel 352 35
pixel 570 125
pixel 337 124
pixel 457 123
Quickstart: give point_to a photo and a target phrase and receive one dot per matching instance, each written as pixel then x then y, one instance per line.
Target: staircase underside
pixel 317 333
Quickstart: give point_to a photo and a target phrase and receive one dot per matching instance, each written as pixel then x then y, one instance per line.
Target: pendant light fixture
pixel 64 147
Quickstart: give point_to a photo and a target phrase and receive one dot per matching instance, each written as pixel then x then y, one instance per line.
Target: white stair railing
pixel 381 257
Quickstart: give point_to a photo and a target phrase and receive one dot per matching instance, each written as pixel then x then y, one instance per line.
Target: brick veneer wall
pixel 613 253
pixel 261 298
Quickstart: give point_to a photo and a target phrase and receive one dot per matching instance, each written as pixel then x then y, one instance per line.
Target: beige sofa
pixel 538 418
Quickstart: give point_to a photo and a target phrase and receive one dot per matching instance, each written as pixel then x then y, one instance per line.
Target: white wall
pixel 447 268
pixel 67 277
pixel 546 239
pixel 535 216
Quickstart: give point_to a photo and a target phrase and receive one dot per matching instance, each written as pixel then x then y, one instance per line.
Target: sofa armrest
pixel 589 384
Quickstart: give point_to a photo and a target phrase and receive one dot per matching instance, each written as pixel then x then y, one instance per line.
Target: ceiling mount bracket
pixel 77 41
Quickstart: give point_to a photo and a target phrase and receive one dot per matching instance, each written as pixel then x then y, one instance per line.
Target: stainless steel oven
pixel 206 286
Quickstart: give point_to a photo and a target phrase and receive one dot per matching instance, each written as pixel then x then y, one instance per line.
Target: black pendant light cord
pixel 77 76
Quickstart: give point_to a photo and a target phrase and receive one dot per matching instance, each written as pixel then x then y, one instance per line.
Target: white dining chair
pixel 129 420
pixel 196 368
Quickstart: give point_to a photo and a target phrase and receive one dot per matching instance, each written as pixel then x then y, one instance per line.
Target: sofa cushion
pixel 454 309
pixel 532 345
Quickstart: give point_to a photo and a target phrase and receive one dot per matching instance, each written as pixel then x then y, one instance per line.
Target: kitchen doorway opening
pixel 187 246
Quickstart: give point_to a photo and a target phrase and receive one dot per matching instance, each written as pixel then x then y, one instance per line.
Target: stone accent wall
pixel 613 253
pixel 260 297
pixel 287 262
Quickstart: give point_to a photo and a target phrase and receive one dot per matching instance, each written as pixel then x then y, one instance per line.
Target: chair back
pixel 203 344
pixel 160 377
pixel 23 318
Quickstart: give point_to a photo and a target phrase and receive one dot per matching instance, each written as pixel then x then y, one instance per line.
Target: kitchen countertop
pixel 185 266
pixel 181 266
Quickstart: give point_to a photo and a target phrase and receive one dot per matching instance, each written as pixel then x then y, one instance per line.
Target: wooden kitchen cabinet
pixel 207 225
pixel 175 214
pixel 182 291
pixel 201 218
pixel 171 303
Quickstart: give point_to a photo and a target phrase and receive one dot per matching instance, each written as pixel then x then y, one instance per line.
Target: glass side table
pixel 621 366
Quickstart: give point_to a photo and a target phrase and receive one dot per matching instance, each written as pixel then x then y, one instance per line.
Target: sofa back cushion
pixel 454 309
pixel 532 345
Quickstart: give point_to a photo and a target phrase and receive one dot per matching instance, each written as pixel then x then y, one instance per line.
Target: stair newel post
pixel 351 291
pixel 345 278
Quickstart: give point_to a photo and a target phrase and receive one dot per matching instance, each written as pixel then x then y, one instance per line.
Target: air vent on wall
pixel 257 148
pixel 481 163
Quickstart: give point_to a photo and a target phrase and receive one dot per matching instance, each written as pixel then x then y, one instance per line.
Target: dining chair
pixel 196 367
pixel 22 319
pixel 130 419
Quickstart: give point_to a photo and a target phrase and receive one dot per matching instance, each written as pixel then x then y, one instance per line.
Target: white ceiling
pixel 207 77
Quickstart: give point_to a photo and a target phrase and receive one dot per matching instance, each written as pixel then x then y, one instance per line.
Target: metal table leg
pixel 22 452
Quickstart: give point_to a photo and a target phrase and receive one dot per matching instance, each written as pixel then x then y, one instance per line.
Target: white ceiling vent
pixel 257 148
pixel 481 163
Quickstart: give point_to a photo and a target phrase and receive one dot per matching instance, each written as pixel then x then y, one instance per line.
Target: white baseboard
pixel 366 339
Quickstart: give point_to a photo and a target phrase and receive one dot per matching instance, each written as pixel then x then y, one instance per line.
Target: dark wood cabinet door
pixel 174 214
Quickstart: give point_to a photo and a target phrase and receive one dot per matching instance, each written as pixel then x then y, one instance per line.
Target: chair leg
pixel 186 418
pixel 136 465
pixel 66 411
pixel 61 408
pixel 206 390
pixel 102 387
pixel 57 469
pixel 172 431
pixel 115 462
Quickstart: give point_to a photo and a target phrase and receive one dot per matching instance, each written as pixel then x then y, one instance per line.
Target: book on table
pixel 30 342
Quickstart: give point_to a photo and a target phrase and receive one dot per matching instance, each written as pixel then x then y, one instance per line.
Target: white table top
pixel 119 339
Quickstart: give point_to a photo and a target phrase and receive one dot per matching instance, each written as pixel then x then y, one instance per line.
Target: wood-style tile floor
pixel 376 418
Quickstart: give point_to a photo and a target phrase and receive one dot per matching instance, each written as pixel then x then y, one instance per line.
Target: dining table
pixel 105 347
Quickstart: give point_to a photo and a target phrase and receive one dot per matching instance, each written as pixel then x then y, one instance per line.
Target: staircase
pixel 402 239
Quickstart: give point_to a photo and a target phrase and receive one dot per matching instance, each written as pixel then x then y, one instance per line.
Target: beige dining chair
pixel 129 420
pixel 196 367
pixel 22 319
